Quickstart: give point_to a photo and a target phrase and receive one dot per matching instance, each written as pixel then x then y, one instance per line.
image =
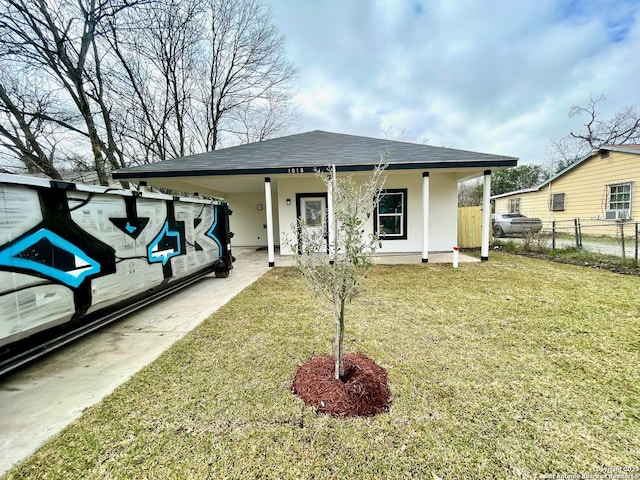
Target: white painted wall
pixel 443 211
pixel 413 183
pixel 288 186
pixel 247 222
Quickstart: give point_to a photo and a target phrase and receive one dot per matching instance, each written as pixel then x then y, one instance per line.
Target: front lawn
pixel 509 369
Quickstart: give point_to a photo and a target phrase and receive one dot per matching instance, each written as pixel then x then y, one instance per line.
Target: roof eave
pixel 516 192
pixel 128 174
pixel 550 179
pixel 619 148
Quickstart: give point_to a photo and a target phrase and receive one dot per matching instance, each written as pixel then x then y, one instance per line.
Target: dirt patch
pixel 364 391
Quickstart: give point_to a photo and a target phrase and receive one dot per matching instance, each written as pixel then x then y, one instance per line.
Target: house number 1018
pixel 296 170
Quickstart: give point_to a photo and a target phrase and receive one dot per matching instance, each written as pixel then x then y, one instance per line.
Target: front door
pixel 312 208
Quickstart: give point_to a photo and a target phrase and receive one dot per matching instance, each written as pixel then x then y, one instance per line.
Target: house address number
pixel 296 170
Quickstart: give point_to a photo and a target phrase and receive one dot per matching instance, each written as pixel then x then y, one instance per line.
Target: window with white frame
pixel 514 205
pixel 619 199
pixel 390 219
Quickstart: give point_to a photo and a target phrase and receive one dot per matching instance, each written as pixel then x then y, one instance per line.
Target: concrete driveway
pixel 38 401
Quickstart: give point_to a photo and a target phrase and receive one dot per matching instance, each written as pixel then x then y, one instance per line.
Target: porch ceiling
pixel 211 185
pixel 219 185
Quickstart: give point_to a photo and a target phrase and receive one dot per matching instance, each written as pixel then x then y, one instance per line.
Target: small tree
pixel 336 276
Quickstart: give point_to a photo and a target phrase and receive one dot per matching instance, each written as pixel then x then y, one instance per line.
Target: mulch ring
pixel 364 391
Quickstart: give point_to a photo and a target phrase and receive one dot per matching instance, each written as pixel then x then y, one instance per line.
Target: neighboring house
pixel 270 184
pixel 601 186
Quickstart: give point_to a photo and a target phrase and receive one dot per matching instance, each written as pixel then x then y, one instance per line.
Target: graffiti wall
pixel 69 251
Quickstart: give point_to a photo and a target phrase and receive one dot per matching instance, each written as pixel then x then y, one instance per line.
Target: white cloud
pixel 494 76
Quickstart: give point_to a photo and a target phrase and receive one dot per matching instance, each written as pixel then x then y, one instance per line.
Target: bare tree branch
pixel 137 81
pixel 20 134
pixel 623 128
pixel 246 65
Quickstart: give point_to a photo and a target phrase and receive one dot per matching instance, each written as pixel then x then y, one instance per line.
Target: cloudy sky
pixel 495 76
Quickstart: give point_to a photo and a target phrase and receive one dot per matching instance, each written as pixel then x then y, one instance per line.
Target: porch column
pixel 269 210
pixel 425 217
pixel 486 216
pixel 330 215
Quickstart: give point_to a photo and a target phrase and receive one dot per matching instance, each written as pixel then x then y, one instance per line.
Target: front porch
pixel 260 254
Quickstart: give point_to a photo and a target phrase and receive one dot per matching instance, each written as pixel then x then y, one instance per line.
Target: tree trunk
pixel 339 370
pixel 98 161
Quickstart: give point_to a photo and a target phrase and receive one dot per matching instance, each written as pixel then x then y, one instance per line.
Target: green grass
pixel 589 258
pixel 507 369
pixel 539 246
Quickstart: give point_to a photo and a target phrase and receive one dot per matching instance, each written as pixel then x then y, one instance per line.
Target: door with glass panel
pixel 312 210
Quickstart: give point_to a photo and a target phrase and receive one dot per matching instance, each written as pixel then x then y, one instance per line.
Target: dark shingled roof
pixel 315 149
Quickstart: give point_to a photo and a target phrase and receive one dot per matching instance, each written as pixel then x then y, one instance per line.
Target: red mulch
pixel 364 391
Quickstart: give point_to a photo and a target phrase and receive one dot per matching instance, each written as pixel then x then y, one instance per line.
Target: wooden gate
pixel 469 227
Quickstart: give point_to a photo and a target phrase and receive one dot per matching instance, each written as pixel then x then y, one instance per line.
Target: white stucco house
pixel 270 184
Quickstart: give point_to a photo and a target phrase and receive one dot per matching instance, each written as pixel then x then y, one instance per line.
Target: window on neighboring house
pixel 619 200
pixel 514 205
pixel 557 202
pixel 390 219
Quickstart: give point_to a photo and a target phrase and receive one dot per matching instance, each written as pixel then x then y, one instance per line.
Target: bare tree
pixel 198 74
pixel 389 133
pixel 244 66
pixel 264 118
pixel 159 48
pixel 137 81
pixel 623 128
pixel 23 131
pixel 59 41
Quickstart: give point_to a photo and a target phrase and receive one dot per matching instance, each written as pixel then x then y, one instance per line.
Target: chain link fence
pixel 596 236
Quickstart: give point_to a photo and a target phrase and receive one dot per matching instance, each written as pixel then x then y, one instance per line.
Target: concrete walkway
pixel 37 402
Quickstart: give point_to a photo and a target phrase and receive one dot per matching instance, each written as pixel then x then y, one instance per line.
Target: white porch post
pixel 425 217
pixel 486 216
pixel 330 216
pixel 269 210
